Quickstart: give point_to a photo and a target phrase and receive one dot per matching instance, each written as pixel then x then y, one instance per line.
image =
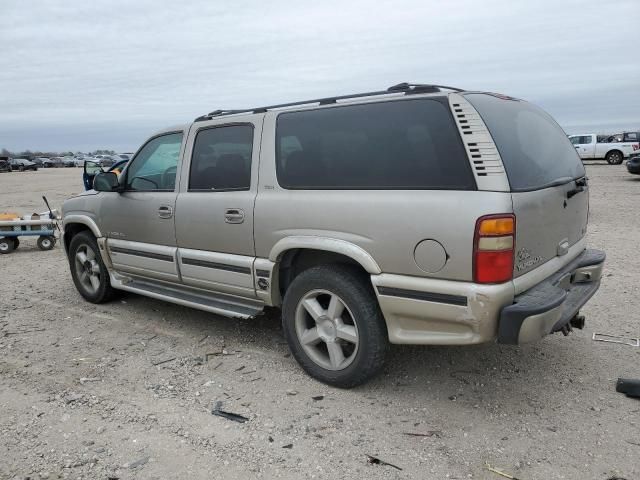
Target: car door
pixel 138 221
pixel 588 146
pixel 214 225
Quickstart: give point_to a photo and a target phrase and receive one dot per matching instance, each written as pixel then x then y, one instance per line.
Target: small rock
pixel 137 463
pixel 101 429
pixel 73 397
pixel 292 392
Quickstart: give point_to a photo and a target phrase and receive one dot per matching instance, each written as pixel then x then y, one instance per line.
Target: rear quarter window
pixel 409 144
pixel 535 150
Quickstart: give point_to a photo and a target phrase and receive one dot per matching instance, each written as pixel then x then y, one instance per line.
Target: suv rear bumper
pixel 428 311
pixel 550 305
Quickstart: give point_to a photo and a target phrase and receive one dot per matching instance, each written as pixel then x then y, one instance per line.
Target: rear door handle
pixel 165 211
pixel 234 215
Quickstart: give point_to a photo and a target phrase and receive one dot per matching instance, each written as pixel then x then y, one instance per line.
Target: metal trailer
pixel 44 228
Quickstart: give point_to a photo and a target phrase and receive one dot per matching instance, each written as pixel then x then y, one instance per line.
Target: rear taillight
pixel 493 248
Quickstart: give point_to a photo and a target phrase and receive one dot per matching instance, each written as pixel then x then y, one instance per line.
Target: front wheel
pixel 7 245
pixel 614 158
pixel 334 326
pixel 88 271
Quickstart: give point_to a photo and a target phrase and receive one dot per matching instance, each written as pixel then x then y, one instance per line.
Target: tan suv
pixel 420 214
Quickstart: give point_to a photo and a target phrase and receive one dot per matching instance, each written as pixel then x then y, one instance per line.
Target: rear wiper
pixel 580 184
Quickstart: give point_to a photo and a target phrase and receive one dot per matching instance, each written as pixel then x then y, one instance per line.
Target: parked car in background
pixel 56 162
pixel 414 215
pixel 633 164
pixel 592 147
pixel 22 164
pixel 69 162
pixel 4 164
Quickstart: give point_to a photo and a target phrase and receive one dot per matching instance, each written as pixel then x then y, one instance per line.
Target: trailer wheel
pixel 16 243
pixel 46 242
pixel 7 245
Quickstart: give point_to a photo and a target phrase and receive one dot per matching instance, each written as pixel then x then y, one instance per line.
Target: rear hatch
pixel 548 183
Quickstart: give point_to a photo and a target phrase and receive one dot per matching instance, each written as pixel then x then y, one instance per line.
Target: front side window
pixel 221 159
pixel 409 144
pixel 155 166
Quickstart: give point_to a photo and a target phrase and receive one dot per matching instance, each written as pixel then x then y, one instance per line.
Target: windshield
pixel 535 151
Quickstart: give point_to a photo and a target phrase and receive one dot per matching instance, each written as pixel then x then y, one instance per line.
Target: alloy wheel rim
pixel 87 268
pixel 326 330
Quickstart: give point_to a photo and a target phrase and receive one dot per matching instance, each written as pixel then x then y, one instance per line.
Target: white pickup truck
pixel 613 149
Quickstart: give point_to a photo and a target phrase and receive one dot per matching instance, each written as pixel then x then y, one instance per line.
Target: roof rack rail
pixel 406 88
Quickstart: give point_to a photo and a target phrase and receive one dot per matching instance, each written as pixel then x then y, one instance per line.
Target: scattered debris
pixel 288 445
pixel 501 473
pixel 20 332
pixel 376 461
pixel 429 433
pixel 228 415
pixel 317 398
pixel 605 337
pixel 239 368
pixel 84 380
pixel 160 362
pixel 248 372
pixel 137 463
pixel 292 392
pixel 629 386
pixel 637 444
pixel 218 365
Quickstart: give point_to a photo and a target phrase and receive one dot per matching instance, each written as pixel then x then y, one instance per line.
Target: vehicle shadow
pixel 474 376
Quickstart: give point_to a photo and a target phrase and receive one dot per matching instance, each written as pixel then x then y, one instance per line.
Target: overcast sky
pixel 82 75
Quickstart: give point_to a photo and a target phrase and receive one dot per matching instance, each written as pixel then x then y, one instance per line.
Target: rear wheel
pixel 46 242
pixel 614 157
pixel 88 271
pixel 7 245
pixel 21 168
pixel 334 326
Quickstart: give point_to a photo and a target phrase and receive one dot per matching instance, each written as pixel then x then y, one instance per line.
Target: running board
pixel 225 305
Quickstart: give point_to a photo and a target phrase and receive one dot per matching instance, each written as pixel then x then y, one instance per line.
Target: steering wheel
pixel 168 179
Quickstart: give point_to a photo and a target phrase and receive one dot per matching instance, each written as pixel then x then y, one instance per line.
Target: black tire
pixel 16 243
pixel 614 157
pixel 362 311
pixel 104 292
pixel 7 245
pixel 46 242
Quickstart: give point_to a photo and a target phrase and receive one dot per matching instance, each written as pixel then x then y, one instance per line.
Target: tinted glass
pixel 631 137
pixel 410 144
pixel 534 149
pixel 585 140
pixel 154 168
pixel 221 159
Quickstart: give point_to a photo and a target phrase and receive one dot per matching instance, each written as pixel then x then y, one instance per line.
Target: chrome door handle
pixel 165 211
pixel 234 215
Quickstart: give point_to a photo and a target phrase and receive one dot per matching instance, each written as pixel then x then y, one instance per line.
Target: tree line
pixel 37 153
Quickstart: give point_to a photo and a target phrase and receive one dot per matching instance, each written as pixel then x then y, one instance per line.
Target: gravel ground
pixel 125 390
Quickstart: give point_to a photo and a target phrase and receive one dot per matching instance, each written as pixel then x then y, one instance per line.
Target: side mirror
pixel 106 182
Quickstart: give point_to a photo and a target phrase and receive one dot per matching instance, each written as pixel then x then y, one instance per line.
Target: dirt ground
pixel 125 390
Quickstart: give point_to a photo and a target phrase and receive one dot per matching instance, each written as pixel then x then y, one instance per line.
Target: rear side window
pixel 411 144
pixel 535 151
pixel 221 159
